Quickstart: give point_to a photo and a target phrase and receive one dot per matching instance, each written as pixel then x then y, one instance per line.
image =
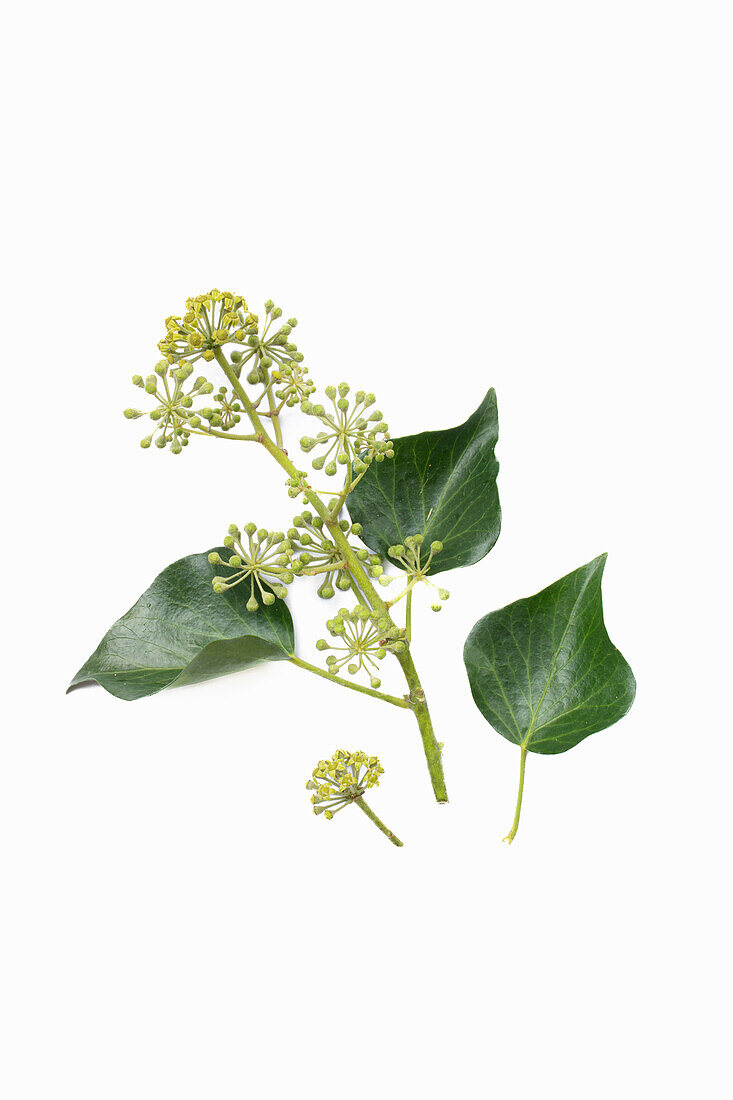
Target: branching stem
pixel 417 695
pixel 394 699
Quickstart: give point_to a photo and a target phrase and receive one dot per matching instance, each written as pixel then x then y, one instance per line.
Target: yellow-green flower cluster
pixel 174 415
pixel 364 639
pixel 210 321
pixel 295 385
pixel 354 436
pixel 313 552
pixel 263 558
pixel 341 780
pixel 409 558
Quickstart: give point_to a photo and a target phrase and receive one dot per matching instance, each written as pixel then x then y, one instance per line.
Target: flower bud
pixel 252 604
pixel 132 414
pixel 214 558
pixel 436 547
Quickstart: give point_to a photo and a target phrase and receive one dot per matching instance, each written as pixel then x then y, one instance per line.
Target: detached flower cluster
pixel 341 780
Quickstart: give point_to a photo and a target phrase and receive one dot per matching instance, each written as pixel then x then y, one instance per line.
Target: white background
pixel 526 195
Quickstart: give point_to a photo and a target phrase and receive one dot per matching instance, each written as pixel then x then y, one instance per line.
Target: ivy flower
pixel 210 321
pixel 353 437
pixel 411 560
pixel 262 559
pixel 174 415
pixel 363 639
pixel 342 781
pixel 313 552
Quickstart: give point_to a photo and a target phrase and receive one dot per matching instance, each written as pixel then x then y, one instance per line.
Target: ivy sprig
pixel 396 512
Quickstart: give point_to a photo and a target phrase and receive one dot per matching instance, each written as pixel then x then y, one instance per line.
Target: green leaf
pixel 181 632
pixel 439 484
pixel 543 671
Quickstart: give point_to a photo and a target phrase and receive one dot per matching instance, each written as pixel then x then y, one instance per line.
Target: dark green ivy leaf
pixel 543 670
pixel 439 484
pixel 181 632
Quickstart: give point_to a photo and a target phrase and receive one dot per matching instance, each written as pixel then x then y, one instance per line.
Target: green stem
pixel 380 824
pixel 224 435
pixel 408 615
pixel 417 695
pixel 430 744
pixel 515 824
pixel 394 699
pixel 274 416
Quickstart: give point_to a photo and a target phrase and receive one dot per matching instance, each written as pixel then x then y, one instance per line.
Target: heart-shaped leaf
pixel 439 484
pixel 182 632
pixel 543 671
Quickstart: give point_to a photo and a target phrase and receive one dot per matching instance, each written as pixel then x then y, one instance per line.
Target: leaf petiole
pixel 515 824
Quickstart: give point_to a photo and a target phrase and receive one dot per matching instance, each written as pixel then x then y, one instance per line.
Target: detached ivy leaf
pixel 439 484
pixel 181 632
pixel 543 671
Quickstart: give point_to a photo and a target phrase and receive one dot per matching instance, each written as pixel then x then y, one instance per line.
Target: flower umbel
pixel 365 639
pixel 263 559
pixel 353 437
pixel 174 415
pixel 342 780
pixel 210 321
pixel 317 553
pixel 410 558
